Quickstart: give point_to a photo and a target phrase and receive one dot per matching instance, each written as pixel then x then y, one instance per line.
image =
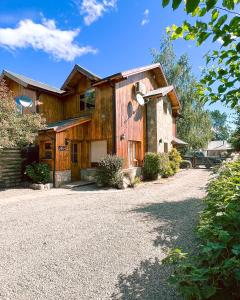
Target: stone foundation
pixel 88 174
pixel 131 173
pixel 61 177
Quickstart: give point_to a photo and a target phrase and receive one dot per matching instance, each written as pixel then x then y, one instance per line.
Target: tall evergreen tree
pixel 195 125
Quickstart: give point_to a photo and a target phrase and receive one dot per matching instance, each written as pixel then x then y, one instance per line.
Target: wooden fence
pixel 13 163
pixel 10 168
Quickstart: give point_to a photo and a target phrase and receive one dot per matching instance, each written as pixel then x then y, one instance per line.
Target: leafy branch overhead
pixel 221 25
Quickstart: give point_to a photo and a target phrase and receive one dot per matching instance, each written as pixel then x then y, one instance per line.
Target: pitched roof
pixel 163 91
pixel 62 125
pixel 81 70
pixel 177 141
pixel 126 74
pixel 30 83
pixel 219 146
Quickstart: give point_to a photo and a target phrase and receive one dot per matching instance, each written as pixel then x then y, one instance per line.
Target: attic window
pixel 87 100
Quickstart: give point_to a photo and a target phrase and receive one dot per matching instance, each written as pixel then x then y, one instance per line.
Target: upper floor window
pixel 87 100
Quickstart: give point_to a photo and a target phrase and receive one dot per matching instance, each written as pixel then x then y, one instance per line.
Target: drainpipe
pixel 54 158
pixel 113 117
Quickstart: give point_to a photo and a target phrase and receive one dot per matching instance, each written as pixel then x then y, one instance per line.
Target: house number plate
pixel 61 148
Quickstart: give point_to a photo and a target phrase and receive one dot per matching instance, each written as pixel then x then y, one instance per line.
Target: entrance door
pixel 75 160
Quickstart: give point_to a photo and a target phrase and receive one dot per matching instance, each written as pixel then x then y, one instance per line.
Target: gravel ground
pixel 88 244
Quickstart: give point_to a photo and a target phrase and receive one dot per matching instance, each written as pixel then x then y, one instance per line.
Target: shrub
pixel 175 159
pixel 109 171
pixel 38 173
pixel 214 272
pixel 165 165
pixel 151 167
pixel 185 164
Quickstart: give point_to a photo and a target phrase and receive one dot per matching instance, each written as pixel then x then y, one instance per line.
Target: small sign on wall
pixel 62 148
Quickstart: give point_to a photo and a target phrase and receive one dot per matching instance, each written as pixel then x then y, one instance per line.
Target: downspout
pixel 113 86
pixel 54 158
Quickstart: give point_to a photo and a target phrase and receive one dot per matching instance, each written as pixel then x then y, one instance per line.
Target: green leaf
pixel 208 291
pixel 210 4
pixel 236 249
pixel 221 20
pixel 238 47
pixel 215 14
pixel 165 2
pixel 191 5
pixel 176 3
pixel 179 30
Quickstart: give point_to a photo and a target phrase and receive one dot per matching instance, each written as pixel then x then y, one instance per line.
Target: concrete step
pixel 75 184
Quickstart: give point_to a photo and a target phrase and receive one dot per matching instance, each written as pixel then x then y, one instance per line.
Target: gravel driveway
pixel 86 244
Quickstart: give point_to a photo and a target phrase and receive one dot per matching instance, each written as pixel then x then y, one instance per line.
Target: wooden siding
pixel 49 105
pixel 99 128
pixel 19 90
pixel 132 128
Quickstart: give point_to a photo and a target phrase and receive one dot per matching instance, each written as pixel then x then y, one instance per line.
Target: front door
pixel 75 160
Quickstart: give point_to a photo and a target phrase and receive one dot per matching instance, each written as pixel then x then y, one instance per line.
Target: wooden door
pixel 75 160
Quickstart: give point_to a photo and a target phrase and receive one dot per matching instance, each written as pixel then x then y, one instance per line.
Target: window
pixel 133 153
pixel 87 100
pixel 48 150
pixel 166 147
pixel 74 153
pixel 165 107
pixel 98 150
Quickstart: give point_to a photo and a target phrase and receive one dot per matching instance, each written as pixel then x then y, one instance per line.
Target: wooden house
pixel 127 114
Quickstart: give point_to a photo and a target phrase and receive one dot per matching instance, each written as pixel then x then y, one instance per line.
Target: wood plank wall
pixel 133 128
pixel 10 168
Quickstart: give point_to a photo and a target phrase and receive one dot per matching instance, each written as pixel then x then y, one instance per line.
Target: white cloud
pixel 44 36
pixel 94 9
pixel 145 19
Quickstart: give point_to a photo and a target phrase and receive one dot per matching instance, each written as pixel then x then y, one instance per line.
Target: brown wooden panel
pixel 133 128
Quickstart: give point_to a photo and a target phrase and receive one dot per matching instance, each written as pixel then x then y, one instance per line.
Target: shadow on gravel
pixel 177 221
pixel 147 282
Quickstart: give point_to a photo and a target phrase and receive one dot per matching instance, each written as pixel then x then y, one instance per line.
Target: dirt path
pixel 87 244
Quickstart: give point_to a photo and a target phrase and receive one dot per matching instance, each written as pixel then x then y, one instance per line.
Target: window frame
pixel 84 105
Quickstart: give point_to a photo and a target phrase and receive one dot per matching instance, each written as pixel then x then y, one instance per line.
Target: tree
pixel 195 125
pixel 16 130
pixel 235 139
pixel 220 128
pixel 219 21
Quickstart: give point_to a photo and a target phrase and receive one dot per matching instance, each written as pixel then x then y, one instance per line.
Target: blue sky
pixel 105 36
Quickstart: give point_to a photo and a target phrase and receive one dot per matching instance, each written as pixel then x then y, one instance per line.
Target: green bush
pixel 175 160
pixel 214 272
pixel 166 169
pixel 151 167
pixel 38 173
pixel 109 171
pixel 185 164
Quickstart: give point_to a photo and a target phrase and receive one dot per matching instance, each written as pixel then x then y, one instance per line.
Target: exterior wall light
pixel 66 142
pixel 122 137
pixel 160 141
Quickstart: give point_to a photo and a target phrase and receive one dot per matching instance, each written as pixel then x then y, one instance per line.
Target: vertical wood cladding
pixel 133 128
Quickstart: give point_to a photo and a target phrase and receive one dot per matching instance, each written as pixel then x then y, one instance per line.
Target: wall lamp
pixel 122 137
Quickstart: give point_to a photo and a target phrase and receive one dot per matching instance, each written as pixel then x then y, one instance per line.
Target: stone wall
pixel 159 125
pixel 62 177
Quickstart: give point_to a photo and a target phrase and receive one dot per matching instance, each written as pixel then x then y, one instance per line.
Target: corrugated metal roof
pixel 161 91
pixel 26 82
pixel 61 125
pixel 178 141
